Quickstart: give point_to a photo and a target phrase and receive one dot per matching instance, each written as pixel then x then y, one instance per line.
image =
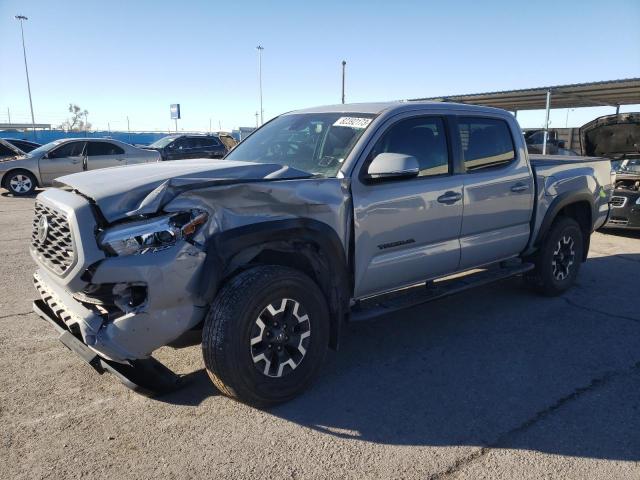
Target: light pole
pixel 21 19
pixel 344 64
pixel 260 48
pixel 566 120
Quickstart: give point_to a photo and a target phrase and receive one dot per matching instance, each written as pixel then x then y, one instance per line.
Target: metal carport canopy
pixel 612 93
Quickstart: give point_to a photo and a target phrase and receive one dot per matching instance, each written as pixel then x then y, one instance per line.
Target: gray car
pixel 38 168
pixel 319 217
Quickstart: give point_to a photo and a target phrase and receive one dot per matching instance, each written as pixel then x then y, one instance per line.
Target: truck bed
pixel 557 175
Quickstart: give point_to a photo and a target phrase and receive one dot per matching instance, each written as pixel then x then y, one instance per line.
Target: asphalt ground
pixel 493 383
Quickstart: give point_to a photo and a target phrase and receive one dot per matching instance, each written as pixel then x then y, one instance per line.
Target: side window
pixel 486 143
pixel 190 142
pixel 71 149
pixel 423 138
pixel 176 144
pixel 209 142
pixel 103 148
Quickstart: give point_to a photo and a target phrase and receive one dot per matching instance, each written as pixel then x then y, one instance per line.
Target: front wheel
pixel 20 183
pixel 266 335
pixel 558 261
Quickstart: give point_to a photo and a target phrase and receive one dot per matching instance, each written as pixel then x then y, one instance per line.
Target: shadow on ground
pixel 498 366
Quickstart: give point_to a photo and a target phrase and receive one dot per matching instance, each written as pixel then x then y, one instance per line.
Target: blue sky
pixel 134 58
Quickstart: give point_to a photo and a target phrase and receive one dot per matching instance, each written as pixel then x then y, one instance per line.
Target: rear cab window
pixel 486 143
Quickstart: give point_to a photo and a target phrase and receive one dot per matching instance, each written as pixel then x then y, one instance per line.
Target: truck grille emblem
pixel 43 229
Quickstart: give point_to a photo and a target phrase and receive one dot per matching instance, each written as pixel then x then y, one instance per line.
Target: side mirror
pixel 45 156
pixel 393 165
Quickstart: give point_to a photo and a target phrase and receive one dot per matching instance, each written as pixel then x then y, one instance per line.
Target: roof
pixel 378 107
pixel 606 93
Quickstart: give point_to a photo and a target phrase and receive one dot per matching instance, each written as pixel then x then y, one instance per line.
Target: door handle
pixel 450 197
pixel 75 161
pixel 520 187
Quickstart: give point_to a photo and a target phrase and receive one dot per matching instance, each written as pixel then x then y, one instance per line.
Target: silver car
pixel 41 166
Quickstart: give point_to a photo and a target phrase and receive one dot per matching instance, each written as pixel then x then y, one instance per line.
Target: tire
pixel 254 328
pixel 557 263
pixel 20 183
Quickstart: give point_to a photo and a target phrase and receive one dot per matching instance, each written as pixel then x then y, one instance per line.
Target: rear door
pixel 406 230
pixel 63 160
pixel 211 147
pixel 498 191
pixel 102 154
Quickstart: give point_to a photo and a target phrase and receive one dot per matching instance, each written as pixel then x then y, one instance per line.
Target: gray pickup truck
pixel 321 216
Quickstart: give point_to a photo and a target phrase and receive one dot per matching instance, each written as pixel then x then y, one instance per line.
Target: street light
pixel 21 19
pixel 566 120
pixel 260 48
pixel 344 64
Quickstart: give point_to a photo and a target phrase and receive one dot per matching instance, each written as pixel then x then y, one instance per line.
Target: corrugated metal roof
pixel 607 93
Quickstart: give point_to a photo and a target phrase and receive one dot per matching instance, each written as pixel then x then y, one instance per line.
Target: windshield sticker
pixel 353 122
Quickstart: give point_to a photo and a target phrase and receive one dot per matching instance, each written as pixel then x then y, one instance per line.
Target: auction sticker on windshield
pixel 353 122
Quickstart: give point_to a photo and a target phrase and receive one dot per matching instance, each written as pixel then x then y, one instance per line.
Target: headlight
pixel 638 201
pixel 152 235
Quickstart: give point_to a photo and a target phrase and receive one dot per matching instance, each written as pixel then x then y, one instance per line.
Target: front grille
pixel 618 202
pixel 51 239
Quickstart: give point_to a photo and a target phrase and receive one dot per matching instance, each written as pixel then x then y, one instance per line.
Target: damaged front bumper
pixel 114 311
pixel 122 344
pixel 146 376
pixel 122 328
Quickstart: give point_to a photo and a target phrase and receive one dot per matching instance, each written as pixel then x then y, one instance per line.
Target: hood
pixel 611 136
pixel 141 189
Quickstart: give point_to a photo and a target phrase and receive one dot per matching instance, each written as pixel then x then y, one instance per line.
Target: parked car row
pixel 22 173
pixel 26 165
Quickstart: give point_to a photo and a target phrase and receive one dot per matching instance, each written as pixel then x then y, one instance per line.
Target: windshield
pixel 163 142
pixel 38 152
pixel 631 165
pixel 313 142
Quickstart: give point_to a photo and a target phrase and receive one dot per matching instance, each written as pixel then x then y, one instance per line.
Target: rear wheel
pixel 558 261
pixel 266 335
pixel 20 183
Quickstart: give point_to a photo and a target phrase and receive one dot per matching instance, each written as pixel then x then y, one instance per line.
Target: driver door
pixel 177 150
pixel 407 230
pixel 63 160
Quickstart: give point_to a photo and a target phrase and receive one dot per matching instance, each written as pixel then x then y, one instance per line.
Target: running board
pixel 373 307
